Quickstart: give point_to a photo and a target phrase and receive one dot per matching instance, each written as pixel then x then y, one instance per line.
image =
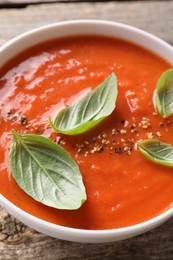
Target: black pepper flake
pixel 115 131
pixel 9 113
pixel 14 118
pixel 122 121
pixel 136 131
pixel 133 126
pixel 23 120
pixel 118 150
pixel 169 122
pixel 100 149
pixel 127 148
pixel 161 124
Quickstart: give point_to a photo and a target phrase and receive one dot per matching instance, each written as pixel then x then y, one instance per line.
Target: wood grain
pixel 154 17
pixel 20 242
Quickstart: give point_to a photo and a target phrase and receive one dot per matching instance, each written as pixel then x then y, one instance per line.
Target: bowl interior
pixel 85 27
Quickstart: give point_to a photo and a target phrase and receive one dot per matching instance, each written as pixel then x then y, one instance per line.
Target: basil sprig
pixel 157 151
pixel 164 94
pixel 89 110
pixel 46 172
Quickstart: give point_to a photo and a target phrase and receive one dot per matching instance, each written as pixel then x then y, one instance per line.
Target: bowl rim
pixel 168 213
pixel 133 229
pixel 84 22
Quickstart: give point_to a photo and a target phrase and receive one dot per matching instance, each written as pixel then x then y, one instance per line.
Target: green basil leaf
pixel 157 151
pixel 164 94
pixel 46 172
pixel 89 110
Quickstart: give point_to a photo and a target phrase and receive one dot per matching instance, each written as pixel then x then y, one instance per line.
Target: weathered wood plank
pixel 140 14
pixel 20 242
pixel 24 3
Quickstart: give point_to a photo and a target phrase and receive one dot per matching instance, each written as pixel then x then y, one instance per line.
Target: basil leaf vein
pixel 46 172
pixel 157 151
pixel 89 110
pixel 164 94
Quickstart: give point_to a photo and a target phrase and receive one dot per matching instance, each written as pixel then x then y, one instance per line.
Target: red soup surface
pixel 123 187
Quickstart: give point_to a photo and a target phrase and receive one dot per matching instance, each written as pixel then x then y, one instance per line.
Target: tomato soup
pixel 123 187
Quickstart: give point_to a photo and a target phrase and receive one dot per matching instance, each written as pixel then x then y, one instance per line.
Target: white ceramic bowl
pixel 105 28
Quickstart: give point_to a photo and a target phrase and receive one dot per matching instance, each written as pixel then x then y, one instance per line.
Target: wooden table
pixel 20 242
